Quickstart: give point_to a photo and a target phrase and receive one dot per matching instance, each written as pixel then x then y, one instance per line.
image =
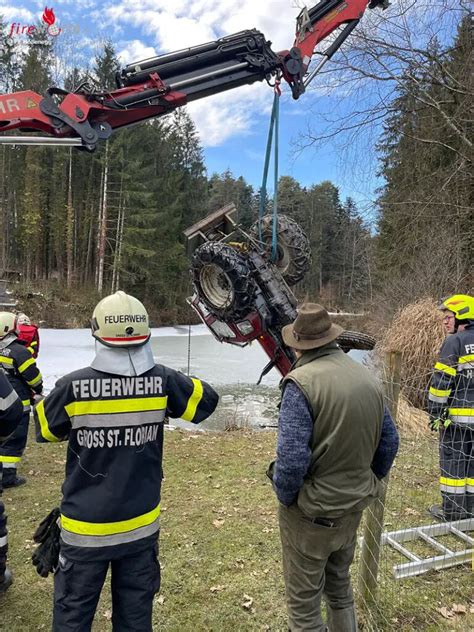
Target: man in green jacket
pixel 335 443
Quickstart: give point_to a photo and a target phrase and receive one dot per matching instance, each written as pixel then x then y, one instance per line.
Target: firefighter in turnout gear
pixel 451 410
pixel 28 332
pixel 11 411
pixel 26 380
pixel 112 413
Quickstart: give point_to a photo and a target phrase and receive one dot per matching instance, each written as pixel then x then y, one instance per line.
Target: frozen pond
pixel 233 371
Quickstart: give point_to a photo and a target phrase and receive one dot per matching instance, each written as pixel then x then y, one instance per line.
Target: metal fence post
pixel 373 528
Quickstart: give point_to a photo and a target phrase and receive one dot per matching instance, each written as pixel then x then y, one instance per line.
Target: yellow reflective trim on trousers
pixel 10 459
pixel 466 358
pixel 452 482
pixel 109 528
pixel 104 406
pixel 465 412
pixel 445 368
pixel 193 401
pixel 5 360
pixel 440 393
pixel 22 368
pixel 36 381
pixel 43 422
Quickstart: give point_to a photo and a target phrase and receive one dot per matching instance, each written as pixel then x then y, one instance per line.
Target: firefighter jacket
pixel 11 409
pixel 114 424
pixel 451 389
pixel 348 410
pixel 30 336
pixel 21 369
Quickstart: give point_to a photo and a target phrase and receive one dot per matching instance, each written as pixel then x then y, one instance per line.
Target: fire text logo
pixel 49 20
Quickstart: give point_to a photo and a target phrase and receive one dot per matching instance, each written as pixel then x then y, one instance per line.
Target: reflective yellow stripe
pixel 445 368
pixel 36 380
pixel 440 393
pixel 22 368
pixel 109 528
pixel 25 402
pixel 6 360
pixel 452 482
pixel 193 401
pixel 466 358
pixel 105 406
pixel 469 481
pixel 31 350
pixel 9 459
pixel 43 422
pixel 465 412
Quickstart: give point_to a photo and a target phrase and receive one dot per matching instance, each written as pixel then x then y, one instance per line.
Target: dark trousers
pixel 316 562
pixel 3 534
pixel 77 588
pixel 11 450
pixel 456 455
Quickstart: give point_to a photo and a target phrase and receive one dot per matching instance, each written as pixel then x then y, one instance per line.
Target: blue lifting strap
pixel 274 122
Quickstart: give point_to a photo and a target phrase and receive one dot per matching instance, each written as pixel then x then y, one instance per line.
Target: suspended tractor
pixel 242 285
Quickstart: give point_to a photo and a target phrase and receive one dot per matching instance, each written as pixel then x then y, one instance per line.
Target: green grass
pixel 220 545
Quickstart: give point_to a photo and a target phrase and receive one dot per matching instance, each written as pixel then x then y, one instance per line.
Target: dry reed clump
pixel 411 422
pixel 417 332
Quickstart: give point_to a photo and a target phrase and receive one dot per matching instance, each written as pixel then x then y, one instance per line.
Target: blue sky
pixel 232 126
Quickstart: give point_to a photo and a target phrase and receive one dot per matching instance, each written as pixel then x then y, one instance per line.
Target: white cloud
pixel 15 14
pixel 233 113
pixel 134 50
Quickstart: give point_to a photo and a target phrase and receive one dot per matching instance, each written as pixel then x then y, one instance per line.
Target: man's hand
pixel 270 470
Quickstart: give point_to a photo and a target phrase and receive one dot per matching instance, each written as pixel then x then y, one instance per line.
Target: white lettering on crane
pixel 8 105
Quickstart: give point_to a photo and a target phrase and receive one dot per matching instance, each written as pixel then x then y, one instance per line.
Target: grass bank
pixel 50 304
pixel 220 550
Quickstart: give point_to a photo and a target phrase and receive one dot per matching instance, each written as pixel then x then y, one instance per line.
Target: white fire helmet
pixel 120 320
pixel 8 324
pixel 23 319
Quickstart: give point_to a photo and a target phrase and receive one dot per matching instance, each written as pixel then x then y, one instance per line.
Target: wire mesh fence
pixel 414 570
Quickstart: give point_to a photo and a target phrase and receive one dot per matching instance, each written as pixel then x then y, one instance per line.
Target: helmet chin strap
pixel 127 361
pixel 8 339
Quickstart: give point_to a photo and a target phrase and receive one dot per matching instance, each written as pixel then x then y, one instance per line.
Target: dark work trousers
pixel 316 561
pixel 456 455
pixel 11 449
pixel 3 534
pixel 77 588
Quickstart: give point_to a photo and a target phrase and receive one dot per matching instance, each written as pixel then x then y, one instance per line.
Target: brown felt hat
pixel 312 328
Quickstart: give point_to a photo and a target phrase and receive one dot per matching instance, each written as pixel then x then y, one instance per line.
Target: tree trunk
pixel 69 227
pixel 103 226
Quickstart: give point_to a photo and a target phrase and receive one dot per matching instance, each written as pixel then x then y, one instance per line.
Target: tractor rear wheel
pixel 223 280
pixel 293 248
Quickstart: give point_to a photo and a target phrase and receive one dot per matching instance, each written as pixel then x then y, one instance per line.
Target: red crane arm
pixel 156 86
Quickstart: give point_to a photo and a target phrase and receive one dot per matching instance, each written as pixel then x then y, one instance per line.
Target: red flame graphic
pixel 48 16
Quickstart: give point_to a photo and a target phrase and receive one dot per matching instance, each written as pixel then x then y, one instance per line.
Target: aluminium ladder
pixel 447 558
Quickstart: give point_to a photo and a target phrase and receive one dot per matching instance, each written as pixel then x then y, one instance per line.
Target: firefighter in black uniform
pixel 11 411
pixel 25 378
pixel 451 410
pixel 112 413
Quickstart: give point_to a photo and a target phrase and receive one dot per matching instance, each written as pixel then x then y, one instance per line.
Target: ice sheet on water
pixel 65 350
pixel 234 371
